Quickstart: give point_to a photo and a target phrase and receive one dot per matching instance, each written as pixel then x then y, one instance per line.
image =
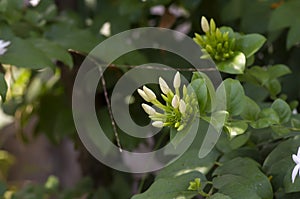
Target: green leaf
pixel 267 117
pixel 3 87
pixel 235 65
pixel 219 196
pixel 279 164
pixel 201 91
pixel 234 95
pixel 189 162
pixel 71 37
pixel 293 35
pixel 251 110
pixel 236 128
pixel 288 10
pixel 283 110
pixel 250 44
pixel 53 51
pixel 172 187
pixel 242 178
pixel 22 53
pixel 274 87
pixel 278 70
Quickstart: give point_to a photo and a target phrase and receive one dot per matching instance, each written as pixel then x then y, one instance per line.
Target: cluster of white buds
pixel 176 112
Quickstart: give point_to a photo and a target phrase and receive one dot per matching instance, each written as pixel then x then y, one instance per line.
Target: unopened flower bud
pixel 163 86
pixel 182 106
pixel 148 109
pixel 158 124
pixel 175 101
pixel 177 81
pixel 204 24
pixel 151 96
pixel 143 95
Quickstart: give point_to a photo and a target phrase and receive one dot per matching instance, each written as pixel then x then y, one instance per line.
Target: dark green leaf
pixel 283 110
pixel 250 44
pixel 251 110
pixel 3 87
pixel 279 164
pixel 289 10
pixel 172 187
pixel 22 53
pixel 189 161
pixel 278 70
pixel 242 178
pixel 53 51
pixel 234 95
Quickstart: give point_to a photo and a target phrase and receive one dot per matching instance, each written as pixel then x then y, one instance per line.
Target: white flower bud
pixel 143 95
pixel 149 93
pixel 177 81
pixel 204 24
pixel 182 106
pixel 163 86
pixel 158 124
pixel 3 46
pixel 175 101
pixel 148 109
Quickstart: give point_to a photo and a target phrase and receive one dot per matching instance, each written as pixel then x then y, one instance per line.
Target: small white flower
pixel 148 109
pixel 158 124
pixel 151 96
pixel 175 101
pixel 204 24
pixel 177 80
pixel 163 86
pixel 296 169
pixel 34 2
pixel 182 106
pixel 3 45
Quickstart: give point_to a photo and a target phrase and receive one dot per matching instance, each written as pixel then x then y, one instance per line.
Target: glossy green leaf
pixel 267 117
pixel 235 65
pixel 278 70
pixel 251 110
pixel 172 187
pixel 242 178
pixel 234 96
pixel 279 164
pixel 201 91
pixel 236 128
pixel 189 162
pixel 3 87
pixel 250 44
pixel 283 110
pixel 22 53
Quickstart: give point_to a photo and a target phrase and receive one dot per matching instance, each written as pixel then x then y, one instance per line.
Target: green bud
pixel 212 25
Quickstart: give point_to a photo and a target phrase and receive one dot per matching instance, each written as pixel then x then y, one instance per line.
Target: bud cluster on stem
pixel 176 112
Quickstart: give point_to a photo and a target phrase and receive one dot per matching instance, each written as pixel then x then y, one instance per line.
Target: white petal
pixel 148 109
pixel 298 154
pixel 295 172
pixel 163 86
pixel 158 124
pixel 204 24
pixel 296 159
pixel 2 51
pixel 175 101
pixel 143 95
pixel 149 93
pixel 182 106
pixel 177 81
